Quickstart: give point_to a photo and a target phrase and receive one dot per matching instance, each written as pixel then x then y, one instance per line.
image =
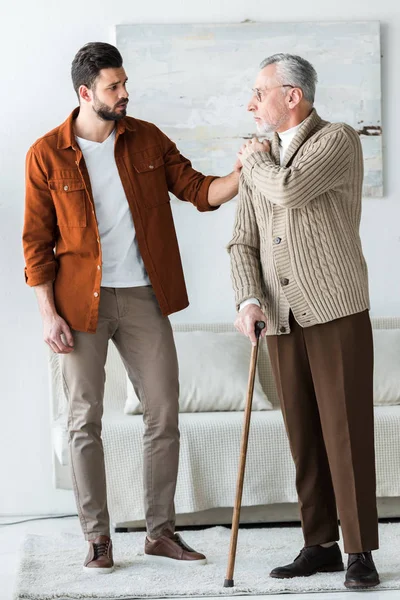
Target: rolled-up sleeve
pixel 183 180
pixel 39 232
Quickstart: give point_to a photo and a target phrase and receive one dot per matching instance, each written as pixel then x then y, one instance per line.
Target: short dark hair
pixel 89 61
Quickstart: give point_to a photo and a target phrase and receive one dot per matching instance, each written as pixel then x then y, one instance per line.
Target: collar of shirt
pixel 286 137
pixel 66 135
pixel 89 145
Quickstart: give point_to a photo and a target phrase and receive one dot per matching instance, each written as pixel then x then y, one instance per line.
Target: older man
pixel 297 263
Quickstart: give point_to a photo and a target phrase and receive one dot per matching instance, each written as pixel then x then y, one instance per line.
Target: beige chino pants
pixel 132 319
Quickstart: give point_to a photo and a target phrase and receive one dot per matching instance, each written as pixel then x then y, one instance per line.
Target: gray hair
pixel 296 71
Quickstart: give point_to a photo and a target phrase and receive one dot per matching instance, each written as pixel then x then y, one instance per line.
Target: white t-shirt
pixel 122 264
pixel 285 139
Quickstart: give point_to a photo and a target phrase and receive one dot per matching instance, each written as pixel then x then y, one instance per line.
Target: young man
pixel 102 254
pixel 297 263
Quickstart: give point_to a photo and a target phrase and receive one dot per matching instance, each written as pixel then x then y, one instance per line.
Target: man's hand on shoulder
pixel 237 167
pixel 251 146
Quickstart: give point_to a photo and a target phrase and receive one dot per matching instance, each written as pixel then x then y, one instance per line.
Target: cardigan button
pixel 66 188
pixel 96 294
pixel 284 281
pixel 282 329
pixel 277 240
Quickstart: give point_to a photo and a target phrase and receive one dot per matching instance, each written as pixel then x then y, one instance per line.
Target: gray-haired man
pixel 297 263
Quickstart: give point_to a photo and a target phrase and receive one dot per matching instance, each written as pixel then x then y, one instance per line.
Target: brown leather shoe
pixel 99 560
pixel 172 550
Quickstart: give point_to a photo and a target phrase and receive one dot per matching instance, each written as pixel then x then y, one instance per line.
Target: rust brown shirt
pixel 61 238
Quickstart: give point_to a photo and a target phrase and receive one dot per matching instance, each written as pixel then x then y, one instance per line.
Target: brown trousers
pixel 132 319
pixel 324 377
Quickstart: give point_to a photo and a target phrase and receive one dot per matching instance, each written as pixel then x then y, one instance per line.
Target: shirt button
pixel 277 240
pixel 284 281
pixel 98 267
pixel 151 166
pixel 95 294
pixel 282 329
pixel 98 239
pixel 66 188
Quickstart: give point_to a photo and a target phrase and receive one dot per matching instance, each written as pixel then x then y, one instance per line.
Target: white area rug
pixel 51 567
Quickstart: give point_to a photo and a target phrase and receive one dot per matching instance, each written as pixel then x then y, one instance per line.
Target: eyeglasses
pixel 257 91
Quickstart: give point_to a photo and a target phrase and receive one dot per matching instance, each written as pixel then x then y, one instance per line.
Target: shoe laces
pixel 301 553
pixel 364 557
pixel 361 556
pixel 178 540
pixel 101 549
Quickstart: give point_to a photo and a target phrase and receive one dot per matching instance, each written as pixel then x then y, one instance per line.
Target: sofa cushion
pixel 386 367
pixel 209 458
pixel 213 374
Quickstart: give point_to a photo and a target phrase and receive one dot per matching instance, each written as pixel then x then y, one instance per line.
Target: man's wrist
pixel 48 313
pixel 249 301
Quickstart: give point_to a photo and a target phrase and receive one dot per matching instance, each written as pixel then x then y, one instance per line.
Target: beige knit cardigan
pixel 296 242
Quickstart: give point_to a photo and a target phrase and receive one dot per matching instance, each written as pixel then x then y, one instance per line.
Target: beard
pixel 265 129
pixel 268 129
pixel 107 113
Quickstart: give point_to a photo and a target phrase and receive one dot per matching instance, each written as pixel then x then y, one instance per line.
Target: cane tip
pixel 228 583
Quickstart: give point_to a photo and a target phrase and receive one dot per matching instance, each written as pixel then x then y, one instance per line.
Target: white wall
pixel 38 42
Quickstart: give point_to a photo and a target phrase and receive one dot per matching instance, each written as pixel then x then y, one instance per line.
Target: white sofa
pixel 210 450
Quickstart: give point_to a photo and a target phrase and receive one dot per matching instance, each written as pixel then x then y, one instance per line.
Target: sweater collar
pixel 304 131
pixel 285 137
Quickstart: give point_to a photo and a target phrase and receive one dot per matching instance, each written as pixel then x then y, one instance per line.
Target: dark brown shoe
pixel 172 550
pixel 361 572
pixel 99 560
pixel 311 560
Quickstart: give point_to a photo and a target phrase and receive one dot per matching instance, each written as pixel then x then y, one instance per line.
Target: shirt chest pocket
pixel 69 201
pixel 151 179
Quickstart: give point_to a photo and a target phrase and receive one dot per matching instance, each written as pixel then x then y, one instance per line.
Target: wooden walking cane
pixel 242 460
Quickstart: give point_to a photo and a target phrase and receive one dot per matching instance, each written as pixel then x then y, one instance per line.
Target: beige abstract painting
pixel 194 82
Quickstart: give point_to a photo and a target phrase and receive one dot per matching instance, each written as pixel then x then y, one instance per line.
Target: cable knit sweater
pixel 296 242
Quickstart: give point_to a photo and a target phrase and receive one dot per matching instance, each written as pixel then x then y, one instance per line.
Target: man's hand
pixel 253 145
pixel 54 330
pixel 246 321
pixel 238 165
